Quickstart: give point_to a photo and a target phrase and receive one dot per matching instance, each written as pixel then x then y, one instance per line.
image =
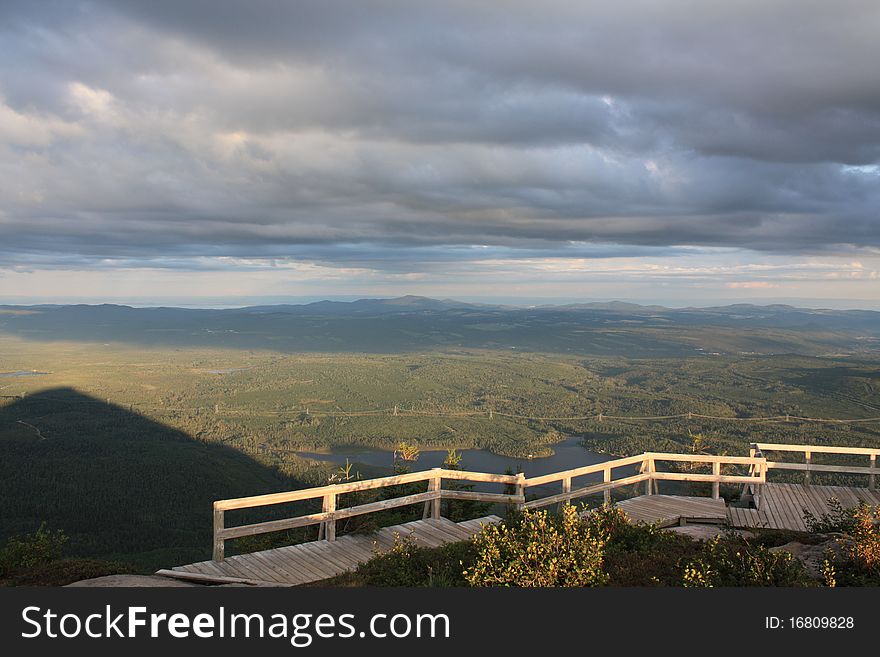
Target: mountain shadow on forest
pixel 121 485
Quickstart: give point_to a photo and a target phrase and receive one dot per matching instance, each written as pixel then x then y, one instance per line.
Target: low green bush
pixel 733 561
pixel 540 550
pixel 857 561
pixel 29 550
pixel 408 565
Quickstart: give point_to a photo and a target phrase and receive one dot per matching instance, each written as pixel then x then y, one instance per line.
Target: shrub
pixel 838 520
pixel 857 561
pixel 409 565
pixel 29 550
pixel 539 550
pixel 735 562
pixel 640 554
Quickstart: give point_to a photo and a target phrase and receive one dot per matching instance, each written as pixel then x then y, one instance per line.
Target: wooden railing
pixel 329 495
pixel 808 466
pixel 330 513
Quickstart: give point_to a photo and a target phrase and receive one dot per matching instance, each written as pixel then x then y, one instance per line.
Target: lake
pixel 6 375
pixel 567 454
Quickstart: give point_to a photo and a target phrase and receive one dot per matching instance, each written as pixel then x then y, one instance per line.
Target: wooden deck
pixel 319 560
pixel 782 505
pixel 668 510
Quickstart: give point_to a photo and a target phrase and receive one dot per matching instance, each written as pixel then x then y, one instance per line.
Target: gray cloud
pixel 374 133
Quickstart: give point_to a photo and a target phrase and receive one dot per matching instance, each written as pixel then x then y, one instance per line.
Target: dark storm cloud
pixel 387 136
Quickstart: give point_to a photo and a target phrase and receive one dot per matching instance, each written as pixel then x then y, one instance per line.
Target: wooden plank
pixel 817 496
pixel 814 500
pixel 776 508
pixel 496 498
pixel 820 497
pixel 288 568
pixel 425 537
pixel 478 476
pixel 826 449
pixel 435 534
pixel 255 565
pixel 818 467
pixel 795 506
pixel 786 513
pixel 451 533
pixel 446 522
pixel 689 476
pixel 703 458
pixel 205 579
pixel 768 505
pixel 348 553
pixel 339 563
pixel 271 560
pixel 805 502
pixel 584 470
pixel 408 528
pixel 473 526
pixel 303 563
pixel 240 566
pixel 212 569
pixel 324 552
pixel 356 551
pixel 200 568
pixel 269 566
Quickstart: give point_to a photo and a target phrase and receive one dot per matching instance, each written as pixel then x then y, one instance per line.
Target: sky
pixel 677 152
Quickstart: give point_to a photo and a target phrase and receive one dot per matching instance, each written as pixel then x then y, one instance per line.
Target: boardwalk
pixel 668 510
pixel 319 560
pixel 772 505
pixel 783 505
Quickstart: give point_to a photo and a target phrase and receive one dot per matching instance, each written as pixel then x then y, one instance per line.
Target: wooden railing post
pixel 809 459
pixel 872 483
pixel 330 525
pixel 761 470
pixel 521 490
pixel 606 478
pixel 716 485
pixel 436 486
pixel 753 470
pixel 566 488
pixel 219 542
pixel 649 482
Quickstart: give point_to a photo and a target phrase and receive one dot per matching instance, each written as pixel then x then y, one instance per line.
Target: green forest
pixel 125 448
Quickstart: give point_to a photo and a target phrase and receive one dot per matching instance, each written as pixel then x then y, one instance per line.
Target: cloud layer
pixel 390 138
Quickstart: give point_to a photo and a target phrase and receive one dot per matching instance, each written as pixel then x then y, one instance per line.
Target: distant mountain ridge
pixel 418 323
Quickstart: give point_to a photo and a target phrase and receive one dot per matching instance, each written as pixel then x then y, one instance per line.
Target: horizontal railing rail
pixel 808 466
